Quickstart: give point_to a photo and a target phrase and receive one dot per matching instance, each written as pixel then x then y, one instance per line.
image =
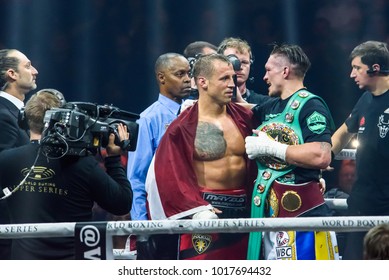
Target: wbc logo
pixel 282 238
pixel 283 251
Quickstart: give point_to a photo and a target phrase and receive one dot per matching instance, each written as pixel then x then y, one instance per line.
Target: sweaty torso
pixel 219 154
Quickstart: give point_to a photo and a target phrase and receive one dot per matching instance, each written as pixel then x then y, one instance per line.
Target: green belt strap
pixel 260 192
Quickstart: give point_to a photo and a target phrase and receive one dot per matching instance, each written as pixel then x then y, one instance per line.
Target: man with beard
pixel 17 78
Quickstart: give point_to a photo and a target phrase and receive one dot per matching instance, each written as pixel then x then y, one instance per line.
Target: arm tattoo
pixel 209 142
pixel 325 146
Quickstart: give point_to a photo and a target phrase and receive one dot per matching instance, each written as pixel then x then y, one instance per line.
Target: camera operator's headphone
pixel 22 119
pixel 223 47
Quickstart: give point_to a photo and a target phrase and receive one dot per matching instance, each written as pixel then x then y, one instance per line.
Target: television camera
pixel 81 128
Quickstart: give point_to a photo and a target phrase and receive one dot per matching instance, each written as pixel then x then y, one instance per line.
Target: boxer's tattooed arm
pixel 209 143
pixel 325 146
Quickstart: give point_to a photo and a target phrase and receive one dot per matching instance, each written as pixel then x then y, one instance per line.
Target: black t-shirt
pixel 275 106
pixel 255 98
pixel 59 190
pixel 370 119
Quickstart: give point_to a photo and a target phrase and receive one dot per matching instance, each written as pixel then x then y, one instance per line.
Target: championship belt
pixel 284 128
pixel 282 133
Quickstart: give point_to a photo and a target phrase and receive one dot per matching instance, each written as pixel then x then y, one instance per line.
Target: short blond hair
pixel 236 43
pixel 36 108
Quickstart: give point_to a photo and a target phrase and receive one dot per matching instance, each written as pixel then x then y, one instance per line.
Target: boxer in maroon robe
pixel 200 169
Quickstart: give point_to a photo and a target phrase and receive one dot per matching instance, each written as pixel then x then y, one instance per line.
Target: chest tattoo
pixel 209 143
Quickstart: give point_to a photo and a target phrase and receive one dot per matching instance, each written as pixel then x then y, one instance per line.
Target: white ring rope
pixel 67 229
pixel 346 154
pixel 338 224
pixel 180 226
pixel 336 203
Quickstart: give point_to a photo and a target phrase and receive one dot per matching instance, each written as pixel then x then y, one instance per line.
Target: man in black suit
pixel 17 78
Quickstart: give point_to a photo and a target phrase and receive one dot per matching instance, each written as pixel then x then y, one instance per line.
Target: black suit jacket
pixel 11 135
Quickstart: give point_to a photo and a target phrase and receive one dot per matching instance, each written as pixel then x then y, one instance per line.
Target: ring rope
pixel 138 227
pixel 346 154
pixel 338 224
pixel 336 203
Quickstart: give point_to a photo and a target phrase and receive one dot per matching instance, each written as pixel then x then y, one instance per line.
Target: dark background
pixel 104 51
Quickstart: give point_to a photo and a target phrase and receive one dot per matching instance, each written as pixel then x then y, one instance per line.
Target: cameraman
pixel 58 190
pixel 241 49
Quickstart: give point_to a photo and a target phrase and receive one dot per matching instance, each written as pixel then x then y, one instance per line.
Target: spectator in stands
pixel 346 179
pixel 376 243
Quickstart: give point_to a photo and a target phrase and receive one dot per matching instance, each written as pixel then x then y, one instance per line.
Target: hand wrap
pixel 205 215
pixel 263 145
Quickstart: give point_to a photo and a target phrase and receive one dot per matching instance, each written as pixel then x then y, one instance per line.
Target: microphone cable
pixel 7 191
